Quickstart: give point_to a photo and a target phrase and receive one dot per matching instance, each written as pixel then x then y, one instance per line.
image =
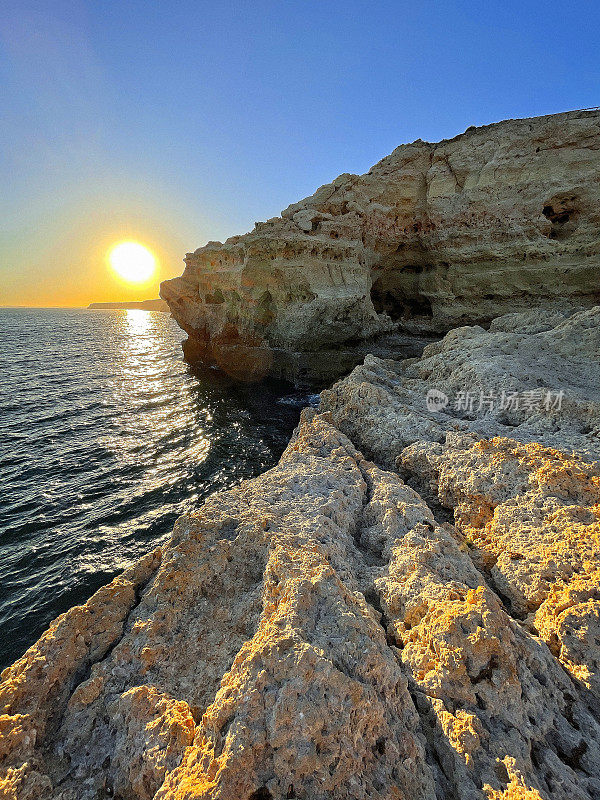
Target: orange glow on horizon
pixel 75 270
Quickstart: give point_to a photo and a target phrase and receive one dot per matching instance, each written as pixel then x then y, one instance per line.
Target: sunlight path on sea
pixel 106 436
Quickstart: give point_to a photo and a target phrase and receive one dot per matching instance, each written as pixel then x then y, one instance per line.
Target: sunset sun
pixel 132 261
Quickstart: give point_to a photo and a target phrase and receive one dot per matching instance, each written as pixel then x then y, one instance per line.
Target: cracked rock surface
pixel 382 407
pixel 251 662
pixel 424 625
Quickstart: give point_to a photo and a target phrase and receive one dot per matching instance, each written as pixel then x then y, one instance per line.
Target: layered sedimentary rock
pixel 423 625
pixel 499 219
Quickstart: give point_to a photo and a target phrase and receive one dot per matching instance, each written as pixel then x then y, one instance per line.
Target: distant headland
pixel 142 305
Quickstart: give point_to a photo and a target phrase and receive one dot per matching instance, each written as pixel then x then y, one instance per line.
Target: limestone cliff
pixel 424 625
pixel 498 219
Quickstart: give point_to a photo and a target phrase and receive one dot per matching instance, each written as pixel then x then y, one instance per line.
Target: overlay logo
pixel 435 400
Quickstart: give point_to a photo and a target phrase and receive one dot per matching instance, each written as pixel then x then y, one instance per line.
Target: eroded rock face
pixel 318 633
pixel 503 382
pixel 531 517
pixel 523 483
pixel 426 627
pixel 497 220
pixel 252 665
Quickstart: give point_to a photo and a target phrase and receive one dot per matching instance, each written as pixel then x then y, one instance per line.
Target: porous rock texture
pixel 499 219
pixel 323 631
pixel 505 381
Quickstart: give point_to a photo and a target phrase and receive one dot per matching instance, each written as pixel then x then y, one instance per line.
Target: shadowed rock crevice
pixel 562 212
pixel 397 293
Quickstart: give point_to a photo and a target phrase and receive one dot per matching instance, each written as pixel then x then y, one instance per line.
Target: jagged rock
pixel 531 516
pixel 35 690
pixel 315 633
pixel 529 512
pixel 495 704
pixel 497 220
pixel 382 405
pixel 255 631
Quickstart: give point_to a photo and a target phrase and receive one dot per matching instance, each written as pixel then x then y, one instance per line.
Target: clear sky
pixel 172 123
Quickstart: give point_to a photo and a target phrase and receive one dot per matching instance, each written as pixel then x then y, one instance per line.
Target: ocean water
pixel 106 437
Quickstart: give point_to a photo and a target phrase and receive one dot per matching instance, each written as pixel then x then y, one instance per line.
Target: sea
pixel 106 437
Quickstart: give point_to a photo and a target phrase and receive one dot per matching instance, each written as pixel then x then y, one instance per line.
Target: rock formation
pixel 498 383
pixel 424 625
pixel 501 218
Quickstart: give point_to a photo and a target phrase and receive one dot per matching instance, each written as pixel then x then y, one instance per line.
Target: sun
pixel 132 261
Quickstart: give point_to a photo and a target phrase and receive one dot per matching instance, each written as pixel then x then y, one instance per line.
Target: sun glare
pixel 132 261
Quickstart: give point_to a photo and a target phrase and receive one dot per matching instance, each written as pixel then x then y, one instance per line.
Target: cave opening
pixel 562 213
pixel 557 217
pixel 398 293
pixel 261 794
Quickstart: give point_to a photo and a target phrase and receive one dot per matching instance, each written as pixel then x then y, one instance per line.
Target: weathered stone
pixel 531 516
pixel 254 631
pixel 497 220
pixel 315 633
pixel 382 406
pixel 495 704
pixel 35 690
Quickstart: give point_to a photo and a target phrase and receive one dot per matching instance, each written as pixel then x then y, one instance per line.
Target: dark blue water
pixel 106 436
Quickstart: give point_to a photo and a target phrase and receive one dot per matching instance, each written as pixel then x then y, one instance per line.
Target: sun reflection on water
pixel 138 321
pixel 144 384
pixel 110 436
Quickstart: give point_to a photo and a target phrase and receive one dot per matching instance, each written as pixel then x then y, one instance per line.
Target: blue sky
pixel 179 122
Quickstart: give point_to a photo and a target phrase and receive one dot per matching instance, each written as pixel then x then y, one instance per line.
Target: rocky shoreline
pixel 407 605
pixel 500 219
